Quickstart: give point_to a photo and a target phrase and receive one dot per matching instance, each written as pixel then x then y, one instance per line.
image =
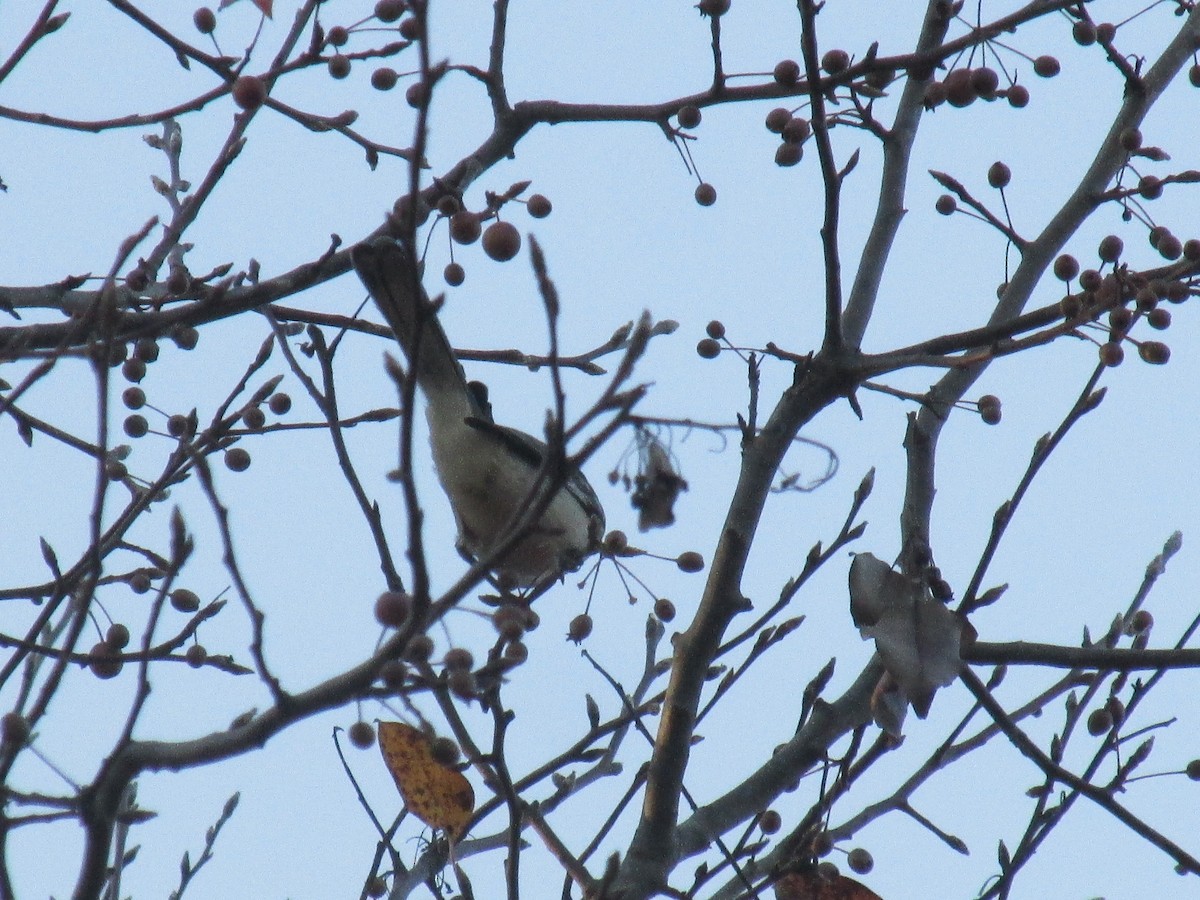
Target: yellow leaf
pixel 438 795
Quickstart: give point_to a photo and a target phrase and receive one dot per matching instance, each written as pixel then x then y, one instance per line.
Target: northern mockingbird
pixel 487 470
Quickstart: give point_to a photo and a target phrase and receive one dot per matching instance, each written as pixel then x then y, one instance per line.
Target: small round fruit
pixel 787 155
pixel 249 92
pixel 237 459
pixel 501 241
pixel 713 8
pixel 458 659
pixel 1017 96
pixel 1110 248
pixel 410 29
pixel 384 78
pixel 706 194
pixel 770 821
pixel 419 649
pixel 664 609
pixel 254 418
pixel 690 561
pixel 196 655
pixel 444 751
pixel 1170 247
pixel 389 10
pixel 133 369
pixel 178 425
pixel 985 81
pixel 280 404
pixel 133 397
pixel 1084 33
pixel 454 274
pixel 1154 352
pixel 999 175
pixel 715 329
pixel 14 728
pixel 1099 722
pixel 136 425
pixel 1112 354
pixel 776 119
pixel 104 662
pixel 416 95
pixel 580 628
pixel 465 227
pixel 707 348
pixel 1159 319
pixel 990 410
pixel 1131 139
pixel 1066 267
pixel 139 582
pixel 1142 620
pixel 392 608
pixel 835 61
pixel 689 116
pixel 184 601
pixel 859 860
pixel 787 72
pixel 945 204
pixel 539 206
pixel 205 20
pixel 361 734
pixel 338 36
pixel 1046 66
pixel 1193 769
pixel 186 337
pixel 117 636
pixel 796 131
pixel 339 66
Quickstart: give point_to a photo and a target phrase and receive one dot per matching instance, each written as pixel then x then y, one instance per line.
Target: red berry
pixel 999 175
pixel 184 601
pixel 237 459
pixel 392 608
pixel 580 628
pixel 835 61
pixel 384 79
pixel 539 206
pixel 339 66
pixel 361 734
pixel 787 72
pixel 205 20
pixel 787 155
pixel 945 204
pixel 136 425
pixel 104 662
pixel 1018 96
pixel 389 10
pixel 249 93
pixel 501 241
pixel 688 116
pixel 1066 267
pixel 465 227
pixel 1046 66
pixel 776 119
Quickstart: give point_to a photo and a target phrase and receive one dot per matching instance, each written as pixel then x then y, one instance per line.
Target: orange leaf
pixel 814 885
pixel 438 795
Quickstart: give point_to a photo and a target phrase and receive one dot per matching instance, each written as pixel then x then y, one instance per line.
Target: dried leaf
pixel 814 884
pixel 438 795
pixel 918 638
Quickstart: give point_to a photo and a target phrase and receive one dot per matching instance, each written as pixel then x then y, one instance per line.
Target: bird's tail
pixel 390 273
